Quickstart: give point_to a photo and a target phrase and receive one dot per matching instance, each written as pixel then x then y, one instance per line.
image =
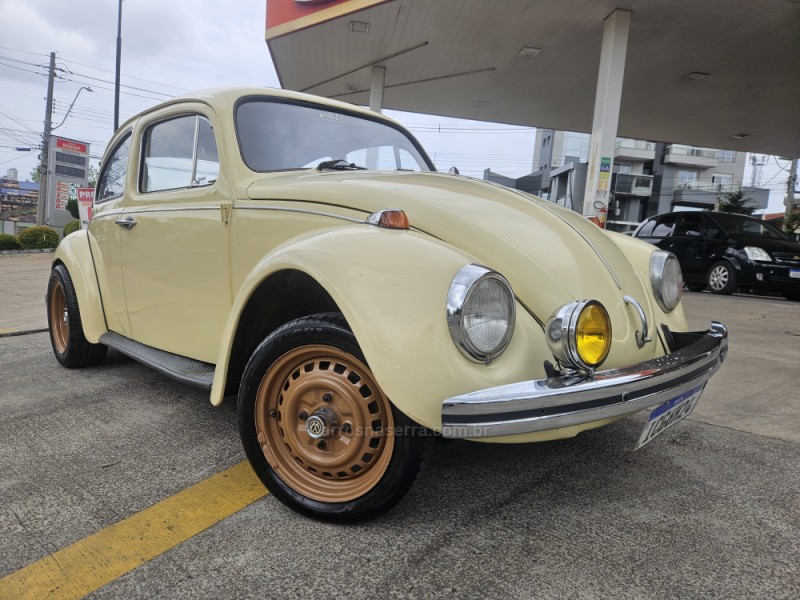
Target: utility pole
pixel 119 56
pixel 790 186
pixel 41 209
pixel 758 165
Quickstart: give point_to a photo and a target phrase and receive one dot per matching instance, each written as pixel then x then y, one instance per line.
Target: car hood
pixel 550 255
pixel 768 244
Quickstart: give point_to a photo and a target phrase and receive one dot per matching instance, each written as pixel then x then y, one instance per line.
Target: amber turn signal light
pixel 390 218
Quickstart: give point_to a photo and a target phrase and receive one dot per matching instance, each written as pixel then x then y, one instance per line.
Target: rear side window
pixel 112 180
pixel 689 226
pixel 179 153
pixel 664 226
pixel 713 232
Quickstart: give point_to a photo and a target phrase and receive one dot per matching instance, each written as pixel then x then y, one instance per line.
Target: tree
pixel 92 176
pixel 792 222
pixel 736 202
pixel 72 208
pixel 35 175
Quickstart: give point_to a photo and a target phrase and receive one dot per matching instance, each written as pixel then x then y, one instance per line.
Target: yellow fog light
pixel 579 334
pixel 593 334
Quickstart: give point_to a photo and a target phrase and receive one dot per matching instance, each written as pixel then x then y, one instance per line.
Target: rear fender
pixel 74 253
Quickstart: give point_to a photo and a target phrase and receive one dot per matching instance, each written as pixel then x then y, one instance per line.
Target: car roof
pixel 226 96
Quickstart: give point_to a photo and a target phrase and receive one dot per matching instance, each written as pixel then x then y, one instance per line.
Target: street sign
pixel 68 170
pixel 85 205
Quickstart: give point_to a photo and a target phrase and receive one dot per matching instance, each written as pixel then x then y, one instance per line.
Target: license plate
pixel 666 415
pixel 794 273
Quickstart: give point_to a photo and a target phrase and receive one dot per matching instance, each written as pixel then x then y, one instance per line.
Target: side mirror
pixel 453 171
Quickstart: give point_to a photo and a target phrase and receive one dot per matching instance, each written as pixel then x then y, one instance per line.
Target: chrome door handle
pixel 126 222
pixel 642 337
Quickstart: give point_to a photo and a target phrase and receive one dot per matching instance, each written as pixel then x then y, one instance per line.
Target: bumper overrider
pixel 576 399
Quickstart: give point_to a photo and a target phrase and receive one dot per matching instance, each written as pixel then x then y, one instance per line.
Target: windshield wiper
pixel 338 164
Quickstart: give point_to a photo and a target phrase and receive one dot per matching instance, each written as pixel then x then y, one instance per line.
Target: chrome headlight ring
pixel 481 313
pixel 561 332
pixel 667 279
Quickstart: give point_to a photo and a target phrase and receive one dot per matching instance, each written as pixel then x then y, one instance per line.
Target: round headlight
pixel 667 279
pixel 480 313
pixel 579 334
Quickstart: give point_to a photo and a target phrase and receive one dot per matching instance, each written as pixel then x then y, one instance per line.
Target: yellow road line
pixel 98 559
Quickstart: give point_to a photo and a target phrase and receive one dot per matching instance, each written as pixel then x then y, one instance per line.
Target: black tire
pixel 794 296
pixel 722 278
pixel 294 377
pixel 70 346
pixel 696 287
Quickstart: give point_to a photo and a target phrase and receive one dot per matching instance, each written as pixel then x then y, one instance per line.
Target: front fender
pixel 74 253
pixel 392 286
pixel 639 254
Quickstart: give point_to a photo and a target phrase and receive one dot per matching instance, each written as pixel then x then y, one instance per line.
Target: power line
pixel 23 51
pixel 126 76
pixel 121 85
pixel 21 69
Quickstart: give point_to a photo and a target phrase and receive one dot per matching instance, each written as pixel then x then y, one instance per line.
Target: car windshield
pixel 280 136
pixel 735 225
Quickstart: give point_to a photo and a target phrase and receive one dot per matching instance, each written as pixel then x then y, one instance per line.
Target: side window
pixel 713 232
pixel 112 180
pixel 647 229
pixel 664 226
pixel 689 226
pixel 179 153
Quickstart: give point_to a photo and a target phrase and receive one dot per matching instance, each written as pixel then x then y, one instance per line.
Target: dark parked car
pixel 723 251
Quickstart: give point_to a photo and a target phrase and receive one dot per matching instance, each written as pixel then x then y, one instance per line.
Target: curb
pixel 22 332
pixel 31 251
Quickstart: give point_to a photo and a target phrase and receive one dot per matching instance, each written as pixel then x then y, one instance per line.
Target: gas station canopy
pixel 712 73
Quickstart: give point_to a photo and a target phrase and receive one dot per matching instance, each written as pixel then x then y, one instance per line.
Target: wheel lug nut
pixel 303 416
pixel 322 444
pixel 273 413
pixel 347 428
pixel 327 397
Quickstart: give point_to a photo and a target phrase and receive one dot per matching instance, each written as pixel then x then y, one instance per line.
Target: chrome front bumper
pixel 545 404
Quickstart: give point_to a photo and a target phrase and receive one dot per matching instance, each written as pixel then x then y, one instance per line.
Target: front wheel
pixel 722 278
pixel 317 428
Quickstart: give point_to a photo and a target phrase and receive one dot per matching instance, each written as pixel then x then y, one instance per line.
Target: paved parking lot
pixel 94 463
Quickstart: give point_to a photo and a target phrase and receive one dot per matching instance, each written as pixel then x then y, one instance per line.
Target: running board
pixel 183 369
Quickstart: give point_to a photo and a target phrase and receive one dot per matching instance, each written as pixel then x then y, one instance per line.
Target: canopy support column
pixel 376 89
pixel 606 110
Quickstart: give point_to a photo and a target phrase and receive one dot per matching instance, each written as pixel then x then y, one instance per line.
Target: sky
pixel 170 47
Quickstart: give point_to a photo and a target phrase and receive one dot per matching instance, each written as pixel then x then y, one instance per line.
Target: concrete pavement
pixel 710 509
pixel 23 284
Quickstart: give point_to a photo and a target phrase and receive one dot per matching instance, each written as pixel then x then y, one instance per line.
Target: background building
pixel 18 202
pixel 648 177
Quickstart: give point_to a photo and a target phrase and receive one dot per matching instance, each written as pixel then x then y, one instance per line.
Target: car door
pixel 104 233
pixel 174 244
pixel 689 245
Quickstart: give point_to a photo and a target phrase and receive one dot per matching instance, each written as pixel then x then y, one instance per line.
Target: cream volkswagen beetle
pixel 304 254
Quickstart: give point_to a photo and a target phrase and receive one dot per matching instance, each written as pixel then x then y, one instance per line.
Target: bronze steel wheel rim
pixel 59 317
pixel 324 424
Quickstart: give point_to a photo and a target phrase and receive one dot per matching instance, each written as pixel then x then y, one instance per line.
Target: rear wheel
pixel 70 346
pixel 317 428
pixel 792 296
pixel 722 278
